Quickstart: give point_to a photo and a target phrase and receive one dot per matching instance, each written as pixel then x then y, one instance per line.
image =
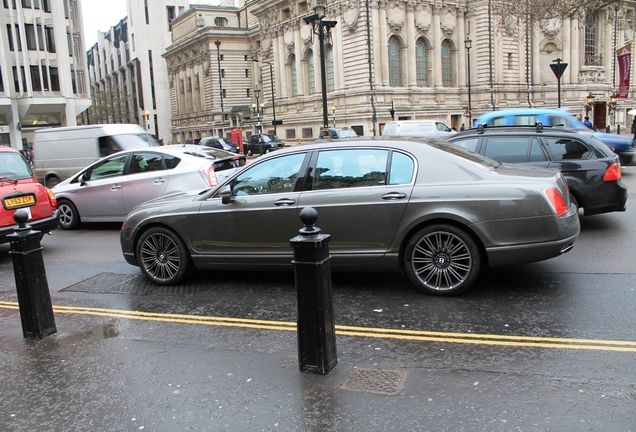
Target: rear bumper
pixel 43 225
pixel 557 240
pixel 603 198
pixel 626 157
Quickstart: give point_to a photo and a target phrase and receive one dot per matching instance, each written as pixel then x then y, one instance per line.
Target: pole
pixel 34 298
pixel 271 81
pixel 323 73
pixel 218 62
pixel 470 105
pixel 317 352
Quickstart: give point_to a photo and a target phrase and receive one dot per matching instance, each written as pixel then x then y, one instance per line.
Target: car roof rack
pixel 538 127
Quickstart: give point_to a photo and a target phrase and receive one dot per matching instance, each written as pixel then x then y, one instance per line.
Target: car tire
pixel 51 181
pixel 162 256
pixel 442 260
pixel 249 152
pixel 69 216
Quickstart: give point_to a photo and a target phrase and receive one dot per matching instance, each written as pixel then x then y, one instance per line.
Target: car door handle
pixel 115 187
pixel 392 196
pixel 159 180
pixel 285 202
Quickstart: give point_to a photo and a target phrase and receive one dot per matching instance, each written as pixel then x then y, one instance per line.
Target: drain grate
pixel 386 382
pixel 110 283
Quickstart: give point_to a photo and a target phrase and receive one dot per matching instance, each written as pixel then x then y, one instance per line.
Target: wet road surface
pixel 546 346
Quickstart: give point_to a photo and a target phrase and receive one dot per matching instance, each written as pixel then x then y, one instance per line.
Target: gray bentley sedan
pixel 425 207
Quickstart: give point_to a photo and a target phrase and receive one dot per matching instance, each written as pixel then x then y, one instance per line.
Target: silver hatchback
pixel 111 187
pixel 433 209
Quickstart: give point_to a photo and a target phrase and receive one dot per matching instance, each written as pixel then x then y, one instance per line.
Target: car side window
pixel 272 176
pixel 468 143
pixel 402 168
pixel 567 149
pixel 145 162
pixel 171 161
pixel 108 145
pixel 337 169
pixel 107 168
pixel 442 127
pixel 507 149
pixel 536 152
pixel 525 120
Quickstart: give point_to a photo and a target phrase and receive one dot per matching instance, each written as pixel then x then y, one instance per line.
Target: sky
pixel 101 15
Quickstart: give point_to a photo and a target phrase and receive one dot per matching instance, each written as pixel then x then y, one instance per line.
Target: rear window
pixel 229 164
pixel 13 166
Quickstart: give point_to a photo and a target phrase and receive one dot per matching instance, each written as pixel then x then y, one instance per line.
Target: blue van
pixel 620 144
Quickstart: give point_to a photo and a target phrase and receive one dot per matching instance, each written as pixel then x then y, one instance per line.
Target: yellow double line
pixel 378 333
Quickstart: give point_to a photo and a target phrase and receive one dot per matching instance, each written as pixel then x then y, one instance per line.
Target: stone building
pixel 129 79
pixel 43 73
pixel 382 60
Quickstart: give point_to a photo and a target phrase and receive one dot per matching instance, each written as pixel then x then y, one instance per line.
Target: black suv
pixel 269 142
pixel 591 169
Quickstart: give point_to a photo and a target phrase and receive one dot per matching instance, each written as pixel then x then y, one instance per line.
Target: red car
pixel 20 190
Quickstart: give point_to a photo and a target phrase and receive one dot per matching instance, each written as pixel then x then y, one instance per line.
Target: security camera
pixel 311 18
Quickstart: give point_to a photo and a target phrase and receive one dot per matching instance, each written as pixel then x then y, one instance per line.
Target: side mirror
pixel 82 180
pixel 226 195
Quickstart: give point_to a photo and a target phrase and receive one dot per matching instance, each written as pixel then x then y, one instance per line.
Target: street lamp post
pixel 259 127
pixel 468 43
pixel 147 114
pixel 317 20
pixel 333 110
pixel 218 62
pixel 271 81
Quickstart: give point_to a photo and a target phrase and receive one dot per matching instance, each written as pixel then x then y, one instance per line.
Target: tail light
pixel 209 175
pixel 613 173
pixel 52 198
pixel 556 200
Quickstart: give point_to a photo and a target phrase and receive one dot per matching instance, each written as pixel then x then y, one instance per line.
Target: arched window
pixel 329 67
pixel 311 75
pixel 421 63
pixel 294 77
pixel 395 63
pixel 447 65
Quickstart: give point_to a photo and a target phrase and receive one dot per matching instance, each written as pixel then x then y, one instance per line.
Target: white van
pixel 417 128
pixel 58 153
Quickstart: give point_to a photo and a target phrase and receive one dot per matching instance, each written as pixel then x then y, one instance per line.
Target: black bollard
pixel 312 269
pixel 36 311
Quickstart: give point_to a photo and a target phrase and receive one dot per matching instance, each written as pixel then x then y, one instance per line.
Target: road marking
pixel 341 330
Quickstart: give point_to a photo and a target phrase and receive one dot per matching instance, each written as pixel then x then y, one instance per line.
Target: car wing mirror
pixel 82 180
pixel 226 195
